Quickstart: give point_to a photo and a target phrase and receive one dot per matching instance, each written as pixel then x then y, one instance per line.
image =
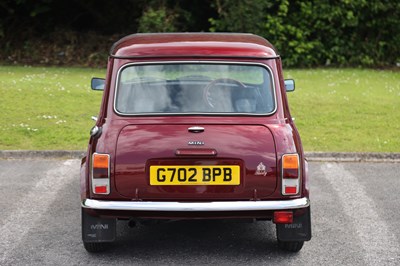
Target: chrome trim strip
pixel 203 61
pixel 196 206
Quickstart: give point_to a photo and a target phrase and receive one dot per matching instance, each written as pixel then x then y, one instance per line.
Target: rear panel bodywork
pixel 140 146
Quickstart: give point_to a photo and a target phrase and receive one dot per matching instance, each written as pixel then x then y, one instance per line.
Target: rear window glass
pixel 185 88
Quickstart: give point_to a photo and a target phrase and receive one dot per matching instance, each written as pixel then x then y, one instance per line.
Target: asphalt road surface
pixel 355 215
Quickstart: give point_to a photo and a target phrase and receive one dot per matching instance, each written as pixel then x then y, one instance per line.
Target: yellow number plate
pixel 161 175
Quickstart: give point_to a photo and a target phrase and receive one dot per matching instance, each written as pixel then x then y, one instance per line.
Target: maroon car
pixel 194 126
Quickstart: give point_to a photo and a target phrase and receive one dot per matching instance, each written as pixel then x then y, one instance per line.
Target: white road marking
pixel 30 208
pixel 376 239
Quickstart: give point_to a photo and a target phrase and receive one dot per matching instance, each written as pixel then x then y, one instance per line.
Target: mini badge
pixel 196 143
pixel 261 170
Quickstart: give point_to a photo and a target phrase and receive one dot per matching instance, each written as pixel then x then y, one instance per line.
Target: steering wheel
pixel 215 98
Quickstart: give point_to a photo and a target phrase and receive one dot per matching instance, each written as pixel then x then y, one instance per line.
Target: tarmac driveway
pixel 355 214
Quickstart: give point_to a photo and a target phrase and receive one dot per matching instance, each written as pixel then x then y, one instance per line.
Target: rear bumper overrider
pixel 168 206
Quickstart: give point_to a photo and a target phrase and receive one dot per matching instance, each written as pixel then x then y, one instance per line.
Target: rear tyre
pixel 292 246
pixel 95 247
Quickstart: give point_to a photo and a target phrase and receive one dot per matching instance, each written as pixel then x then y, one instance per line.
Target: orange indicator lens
pixel 100 160
pixel 290 161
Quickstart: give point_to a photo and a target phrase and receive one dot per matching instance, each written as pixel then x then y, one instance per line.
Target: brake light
pixel 290 174
pixel 101 173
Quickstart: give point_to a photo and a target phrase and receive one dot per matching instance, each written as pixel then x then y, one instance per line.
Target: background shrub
pixel 306 33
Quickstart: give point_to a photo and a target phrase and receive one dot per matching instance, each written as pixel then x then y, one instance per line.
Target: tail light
pixel 101 173
pixel 290 174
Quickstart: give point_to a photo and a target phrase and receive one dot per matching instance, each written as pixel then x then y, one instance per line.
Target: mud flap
pixel 96 229
pixel 299 230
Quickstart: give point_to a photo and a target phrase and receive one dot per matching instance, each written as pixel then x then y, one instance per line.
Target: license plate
pixel 163 175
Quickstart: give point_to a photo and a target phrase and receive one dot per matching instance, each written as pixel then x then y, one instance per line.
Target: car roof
pixel 237 45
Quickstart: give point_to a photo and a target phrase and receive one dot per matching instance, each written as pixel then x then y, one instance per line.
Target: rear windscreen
pixel 185 88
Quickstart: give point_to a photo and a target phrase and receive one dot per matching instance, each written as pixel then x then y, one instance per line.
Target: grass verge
pixel 347 110
pixel 47 108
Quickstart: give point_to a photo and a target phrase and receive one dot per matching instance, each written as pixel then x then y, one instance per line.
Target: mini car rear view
pixel 194 126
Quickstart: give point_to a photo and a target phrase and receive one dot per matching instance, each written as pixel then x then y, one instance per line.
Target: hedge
pixel 306 33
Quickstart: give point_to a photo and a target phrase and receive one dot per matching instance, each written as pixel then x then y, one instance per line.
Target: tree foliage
pixel 306 33
pixel 322 32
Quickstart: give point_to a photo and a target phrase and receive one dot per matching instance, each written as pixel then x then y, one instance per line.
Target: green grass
pixel 47 108
pixel 347 110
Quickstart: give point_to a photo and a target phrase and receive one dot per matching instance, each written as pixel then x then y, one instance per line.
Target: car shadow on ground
pixel 190 240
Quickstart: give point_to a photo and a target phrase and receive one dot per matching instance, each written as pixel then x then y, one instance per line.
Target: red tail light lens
pixel 290 190
pixel 100 189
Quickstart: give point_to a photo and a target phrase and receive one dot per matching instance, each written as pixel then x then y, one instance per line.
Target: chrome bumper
pixel 196 206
